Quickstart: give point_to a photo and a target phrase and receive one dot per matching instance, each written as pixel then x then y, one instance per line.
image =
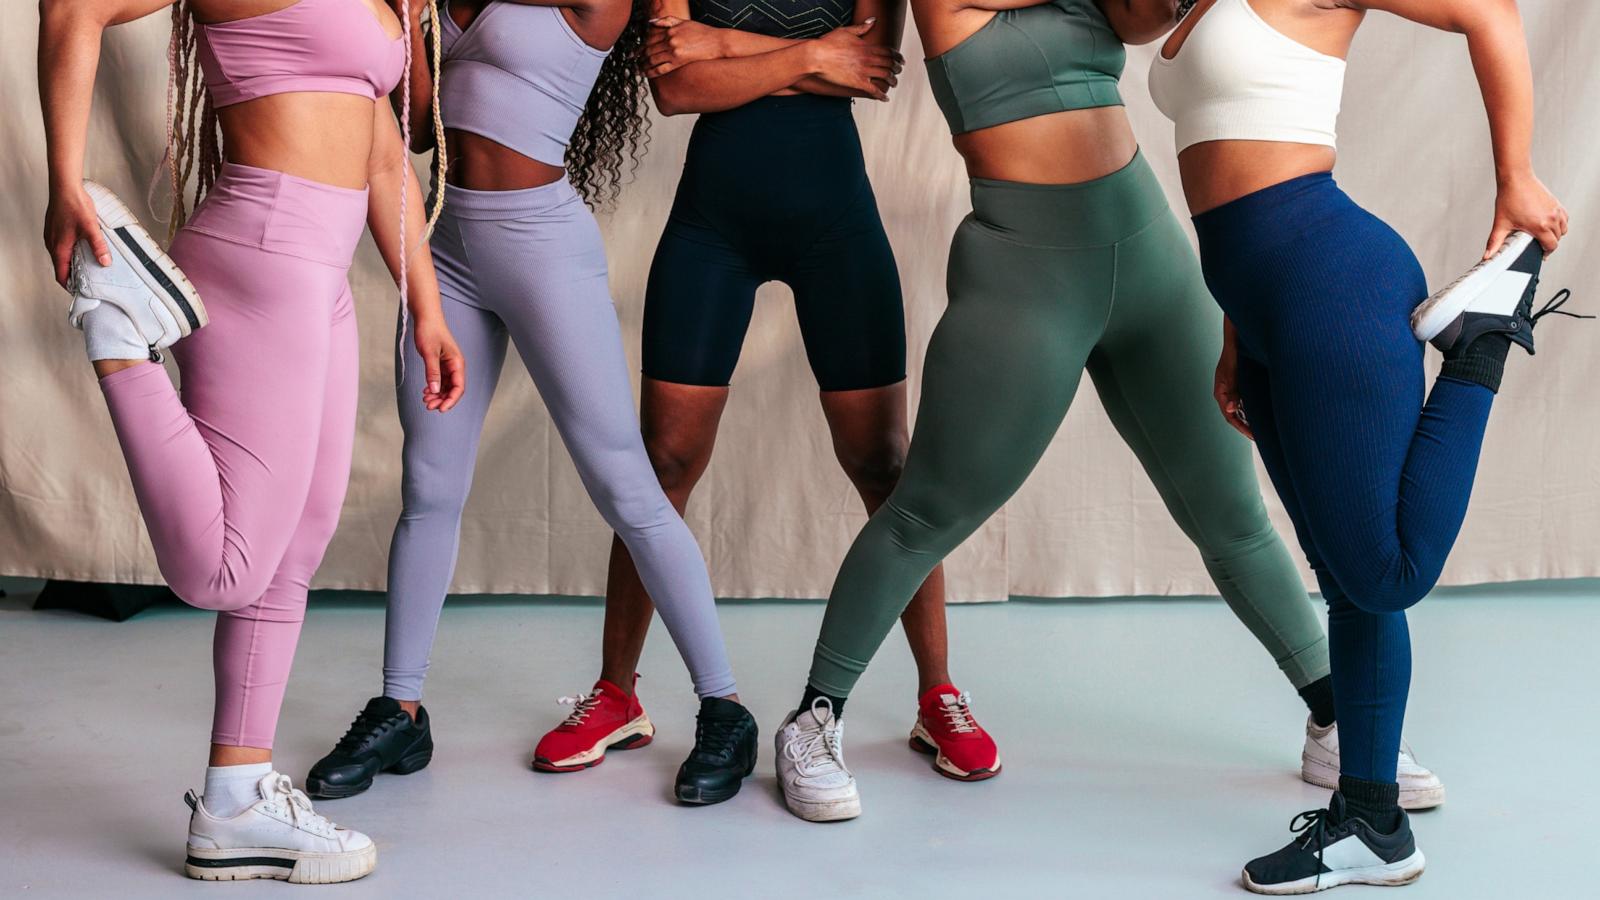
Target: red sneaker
pixel 601 720
pixel 945 728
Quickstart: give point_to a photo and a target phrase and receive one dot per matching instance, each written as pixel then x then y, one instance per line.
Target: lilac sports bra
pixel 326 46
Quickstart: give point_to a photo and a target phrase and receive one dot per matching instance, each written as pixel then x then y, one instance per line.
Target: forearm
pixel 69 56
pixel 736 43
pixel 713 85
pixel 384 187
pixel 1500 58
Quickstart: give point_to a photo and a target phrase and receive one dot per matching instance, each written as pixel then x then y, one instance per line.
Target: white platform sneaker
pixel 1319 765
pixel 279 836
pixel 810 752
pixel 142 279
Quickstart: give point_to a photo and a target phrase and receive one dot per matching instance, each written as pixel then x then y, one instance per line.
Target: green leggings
pixel 1046 281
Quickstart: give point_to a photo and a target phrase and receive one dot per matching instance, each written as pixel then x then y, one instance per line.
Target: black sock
pixel 812 694
pixel 1375 801
pixel 1318 696
pixel 1481 362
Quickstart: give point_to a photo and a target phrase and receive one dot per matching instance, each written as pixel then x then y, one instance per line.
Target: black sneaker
pixel 383 738
pixel 724 753
pixel 1333 848
pixel 1495 286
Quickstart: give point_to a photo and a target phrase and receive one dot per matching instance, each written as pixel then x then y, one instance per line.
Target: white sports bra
pixel 1236 78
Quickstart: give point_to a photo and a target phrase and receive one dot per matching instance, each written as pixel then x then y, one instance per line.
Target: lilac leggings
pixel 241 480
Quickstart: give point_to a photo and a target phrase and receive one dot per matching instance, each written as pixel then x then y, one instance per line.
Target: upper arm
pixel 677 8
pixel 1140 21
pixel 891 16
pixel 1459 16
pixel 102 12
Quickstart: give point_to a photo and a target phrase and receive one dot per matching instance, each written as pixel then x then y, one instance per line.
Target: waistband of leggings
pixel 1087 214
pixel 283 213
pixel 1271 217
pixel 465 203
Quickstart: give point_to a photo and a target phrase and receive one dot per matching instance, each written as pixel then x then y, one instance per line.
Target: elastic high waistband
pixel 464 203
pixel 1272 216
pixel 780 112
pixel 282 213
pixel 1086 214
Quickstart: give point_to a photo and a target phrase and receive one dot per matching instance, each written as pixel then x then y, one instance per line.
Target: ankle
pixel 411 707
pixel 622 678
pixel 230 755
pixel 810 696
pixel 1376 802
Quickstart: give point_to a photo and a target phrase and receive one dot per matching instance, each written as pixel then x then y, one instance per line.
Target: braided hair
pixel 1184 7
pixel 613 130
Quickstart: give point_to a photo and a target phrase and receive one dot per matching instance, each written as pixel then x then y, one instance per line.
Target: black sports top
pixel 775 18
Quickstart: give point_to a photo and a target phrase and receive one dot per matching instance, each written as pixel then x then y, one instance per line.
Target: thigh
pixel 699 298
pixel 1154 370
pixel 1002 368
pixel 848 301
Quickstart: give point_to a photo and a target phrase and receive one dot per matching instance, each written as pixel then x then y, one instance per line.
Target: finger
pixel 658 71
pixel 666 21
pixel 97 242
pixel 456 369
pixel 1549 240
pixel 1497 238
pixel 61 254
pixel 862 28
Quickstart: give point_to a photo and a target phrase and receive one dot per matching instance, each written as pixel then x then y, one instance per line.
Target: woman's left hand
pixel 674 43
pixel 447 369
pixel 1525 204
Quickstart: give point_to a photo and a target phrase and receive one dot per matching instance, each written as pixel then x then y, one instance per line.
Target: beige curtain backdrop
pixel 774 514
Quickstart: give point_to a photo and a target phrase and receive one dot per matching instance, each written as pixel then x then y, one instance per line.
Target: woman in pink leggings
pixel 240 480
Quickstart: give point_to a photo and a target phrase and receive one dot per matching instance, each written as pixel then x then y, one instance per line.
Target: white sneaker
pixel 280 836
pixel 1319 765
pixel 1494 287
pixel 142 279
pixel 810 752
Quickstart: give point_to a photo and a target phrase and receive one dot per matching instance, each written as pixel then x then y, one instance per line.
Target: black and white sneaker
pixel 383 738
pixel 142 280
pixel 1494 287
pixel 1335 847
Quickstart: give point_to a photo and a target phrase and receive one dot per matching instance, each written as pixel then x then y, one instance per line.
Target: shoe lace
pixel 281 790
pixel 367 725
pixel 582 705
pixel 716 738
pixel 1552 307
pixel 1312 825
pixel 817 749
pixel 958 714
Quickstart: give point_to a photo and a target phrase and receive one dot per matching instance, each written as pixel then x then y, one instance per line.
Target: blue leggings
pixel 1375 477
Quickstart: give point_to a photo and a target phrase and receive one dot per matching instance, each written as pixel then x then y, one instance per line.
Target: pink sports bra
pixel 327 46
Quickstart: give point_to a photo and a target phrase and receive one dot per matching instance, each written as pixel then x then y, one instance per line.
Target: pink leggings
pixel 241 481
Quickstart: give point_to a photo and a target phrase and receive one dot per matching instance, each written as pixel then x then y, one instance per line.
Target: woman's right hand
pixel 68 219
pixel 1226 388
pixel 844 58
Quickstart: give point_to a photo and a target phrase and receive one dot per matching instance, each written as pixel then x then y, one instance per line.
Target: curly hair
pixel 614 129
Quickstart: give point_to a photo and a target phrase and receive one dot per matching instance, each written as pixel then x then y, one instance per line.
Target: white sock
pixel 230 790
pixel 110 334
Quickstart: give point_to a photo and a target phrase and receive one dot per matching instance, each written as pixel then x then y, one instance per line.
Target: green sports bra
pixel 1056 56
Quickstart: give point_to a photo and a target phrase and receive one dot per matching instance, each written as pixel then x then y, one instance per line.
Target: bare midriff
pixel 1060 148
pixel 479 164
pixel 1219 172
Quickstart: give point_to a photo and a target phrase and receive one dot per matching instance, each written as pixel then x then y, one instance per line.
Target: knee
pixel 677 471
pixel 875 471
pixel 1392 597
pixel 220 592
pixel 431 491
pixel 924 528
pixel 633 506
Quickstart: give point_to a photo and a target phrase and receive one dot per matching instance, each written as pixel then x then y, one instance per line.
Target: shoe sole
pixel 1394 874
pixel 1435 314
pixel 631 736
pixel 413 762
pixel 1316 772
pixel 922 742
pixel 693 796
pixel 160 274
pixel 293 866
pixel 824 811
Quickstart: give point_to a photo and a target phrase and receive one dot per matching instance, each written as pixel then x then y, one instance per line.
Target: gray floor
pixel 1150 749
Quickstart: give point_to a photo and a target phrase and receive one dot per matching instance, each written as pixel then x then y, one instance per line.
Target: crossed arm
pixel 694 67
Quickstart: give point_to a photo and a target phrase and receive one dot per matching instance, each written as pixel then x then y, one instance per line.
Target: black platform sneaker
pixel 383 738
pixel 1335 847
pixel 724 753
